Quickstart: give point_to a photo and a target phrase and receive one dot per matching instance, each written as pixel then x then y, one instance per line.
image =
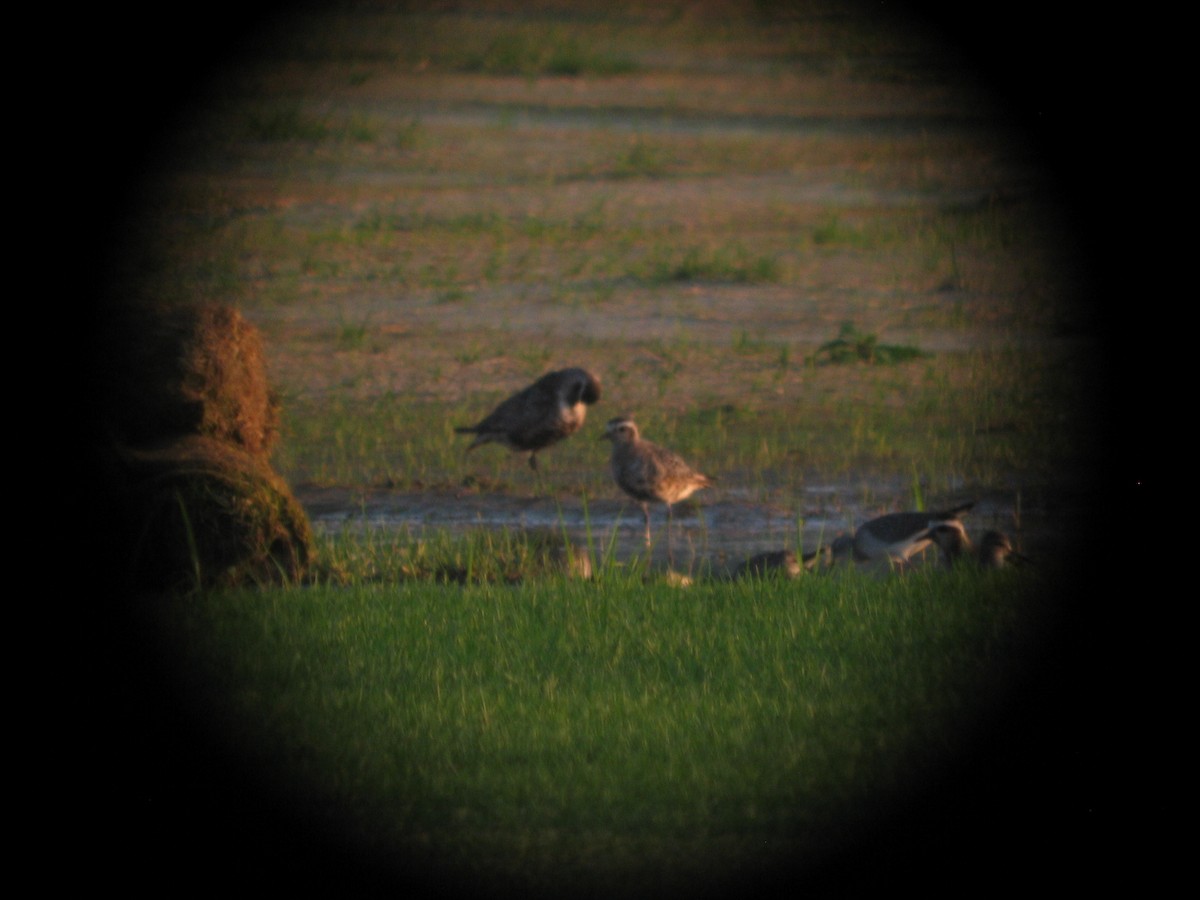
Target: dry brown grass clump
pixel 188 371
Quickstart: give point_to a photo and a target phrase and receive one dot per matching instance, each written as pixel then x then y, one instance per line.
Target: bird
pixel 995 550
pixel 782 563
pixel 897 537
pixel 951 539
pixel 552 408
pixel 650 473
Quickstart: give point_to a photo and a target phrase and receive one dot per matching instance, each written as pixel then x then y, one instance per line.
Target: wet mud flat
pixel 711 537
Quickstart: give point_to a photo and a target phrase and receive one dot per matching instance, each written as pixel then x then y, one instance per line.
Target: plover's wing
pixel 674 478
pixel 952 513
pixel 636 473
pixel 893 536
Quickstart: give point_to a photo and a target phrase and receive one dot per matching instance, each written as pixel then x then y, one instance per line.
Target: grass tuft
pixel 852 345
pixel 732 264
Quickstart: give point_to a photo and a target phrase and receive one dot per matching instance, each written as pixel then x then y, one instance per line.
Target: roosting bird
pixel 552 408
pixel 783 563
pixel 897 537
pixel 995 549
pixel 650 473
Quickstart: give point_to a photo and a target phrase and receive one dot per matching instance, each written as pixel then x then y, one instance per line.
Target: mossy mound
pixel 187 425
pixel 203 513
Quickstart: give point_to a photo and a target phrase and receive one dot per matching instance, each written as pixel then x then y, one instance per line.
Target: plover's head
pixel 579 386
pixel 995 549
pixel 621 430
pixel 951 538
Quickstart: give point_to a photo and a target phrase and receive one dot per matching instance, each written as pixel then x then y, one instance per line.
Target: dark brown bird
pixel 650 473
pixel 552 408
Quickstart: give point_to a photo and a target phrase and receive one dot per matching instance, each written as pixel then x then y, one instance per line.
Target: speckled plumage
pixel 649 473
pixel 552 408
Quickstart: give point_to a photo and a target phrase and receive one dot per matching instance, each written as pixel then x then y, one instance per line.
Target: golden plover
pixel 550 409
pixel 648 472
pixel 897 537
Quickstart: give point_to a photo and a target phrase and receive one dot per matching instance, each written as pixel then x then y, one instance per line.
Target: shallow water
pixel 713 533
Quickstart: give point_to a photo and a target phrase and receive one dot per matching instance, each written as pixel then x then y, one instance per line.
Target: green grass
pixel 954 418
pixel 360 556
pixel 518 730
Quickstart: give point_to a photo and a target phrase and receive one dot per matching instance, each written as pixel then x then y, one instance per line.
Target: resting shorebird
pixel 897 537
pixel 995 549
pixel 648 472
pixel 550 409
pixel 782 563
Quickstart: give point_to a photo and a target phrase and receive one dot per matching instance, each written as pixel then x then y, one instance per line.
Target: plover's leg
pixel 537 475
pixel 670 557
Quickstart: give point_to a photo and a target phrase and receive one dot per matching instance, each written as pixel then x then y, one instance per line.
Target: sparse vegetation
pixel 643 159
pixel 731 264
pixel 852 345
pixel 352 335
